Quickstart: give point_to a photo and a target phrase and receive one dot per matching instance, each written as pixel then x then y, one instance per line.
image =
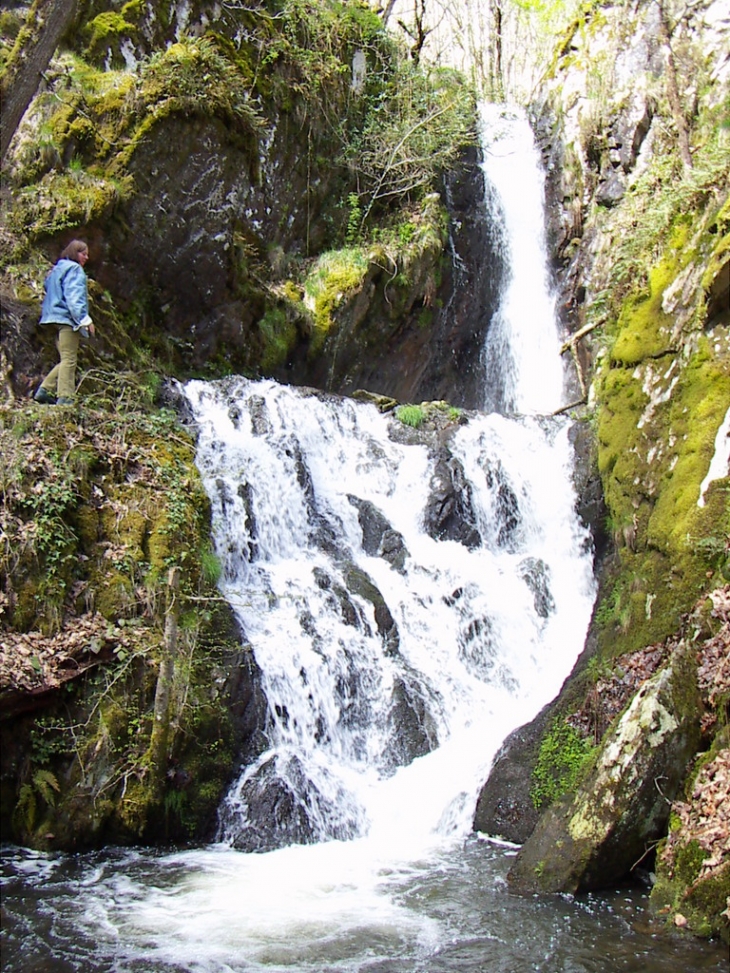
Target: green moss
pixel 114 595
pixel 644 329
pixel 107 29
pixel 649 593
pixel 693 416
pixel 66 199
pixel 659 412
pixel 701 901
pixel 562 760
pixel 279 335
pixel 335 276
pixel 707 901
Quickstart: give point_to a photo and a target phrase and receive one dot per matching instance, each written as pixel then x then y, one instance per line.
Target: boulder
pixel 596 835
pixel 504 808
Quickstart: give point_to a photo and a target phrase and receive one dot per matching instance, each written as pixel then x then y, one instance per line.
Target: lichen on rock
pixel 599 832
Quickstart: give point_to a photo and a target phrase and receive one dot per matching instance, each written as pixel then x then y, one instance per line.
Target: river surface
pixel 398 647
pixel 217 911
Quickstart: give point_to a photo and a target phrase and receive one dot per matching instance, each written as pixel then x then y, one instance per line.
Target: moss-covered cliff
pixel 254 184
pixel 96 509
pixel 639 181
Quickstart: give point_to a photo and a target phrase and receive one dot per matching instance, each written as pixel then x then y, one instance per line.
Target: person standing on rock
pixel 66 307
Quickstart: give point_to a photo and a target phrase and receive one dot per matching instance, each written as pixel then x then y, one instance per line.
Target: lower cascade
pixel 408 603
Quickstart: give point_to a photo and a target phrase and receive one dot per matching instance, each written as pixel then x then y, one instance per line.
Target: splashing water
pixel 424 658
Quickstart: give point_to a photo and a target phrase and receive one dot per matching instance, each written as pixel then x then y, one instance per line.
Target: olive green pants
pixel 61 380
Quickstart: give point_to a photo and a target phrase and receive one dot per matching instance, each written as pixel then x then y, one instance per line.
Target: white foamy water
pixel 485 637
pixel 522 367
pixel 473 650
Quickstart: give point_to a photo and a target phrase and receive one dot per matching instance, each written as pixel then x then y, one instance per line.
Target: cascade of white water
pixel 391 678
pixel 459 643
pixel 521 361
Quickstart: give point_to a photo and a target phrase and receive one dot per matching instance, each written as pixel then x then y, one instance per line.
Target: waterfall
pixel 521 361
pixel 397 647
pixel 410 596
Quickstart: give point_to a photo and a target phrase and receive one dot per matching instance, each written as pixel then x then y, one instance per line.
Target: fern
pixel 46 783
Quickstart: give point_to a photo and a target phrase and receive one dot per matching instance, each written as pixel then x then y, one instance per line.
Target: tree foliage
pixel 415 128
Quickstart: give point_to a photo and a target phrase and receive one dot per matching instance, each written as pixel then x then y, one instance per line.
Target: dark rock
pixel 507 508
pixel 412 728
pixel 504 807
pixel 360 584
pixel 536 575
pixel 380 341
pixel 379 539
pixel 591 507
pixel 611 190
pixel 449 514
pixel 278 805
pixel 246 702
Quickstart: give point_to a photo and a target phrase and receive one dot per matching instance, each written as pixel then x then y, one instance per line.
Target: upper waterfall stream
pixel 410 597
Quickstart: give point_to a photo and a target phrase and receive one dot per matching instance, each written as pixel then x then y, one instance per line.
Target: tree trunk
pixel 388 11
pixel 47 22
pixel 498 80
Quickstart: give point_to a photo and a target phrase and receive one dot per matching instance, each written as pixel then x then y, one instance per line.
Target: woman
pixel 66 306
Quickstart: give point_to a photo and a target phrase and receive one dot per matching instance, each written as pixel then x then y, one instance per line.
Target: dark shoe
pixel 44 397
pixel 64 400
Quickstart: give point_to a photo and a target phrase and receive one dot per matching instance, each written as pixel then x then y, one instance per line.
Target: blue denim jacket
pixel 66 300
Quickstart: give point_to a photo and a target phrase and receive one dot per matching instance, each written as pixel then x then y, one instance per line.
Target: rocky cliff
pixel 275 190
pixel 634 117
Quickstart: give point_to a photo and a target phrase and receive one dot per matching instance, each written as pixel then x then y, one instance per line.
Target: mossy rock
pixel 595 835
pixel 644 329
pixel 700 901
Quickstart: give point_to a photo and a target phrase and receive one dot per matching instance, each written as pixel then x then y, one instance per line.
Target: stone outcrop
pixel 217 181
pixel 598 834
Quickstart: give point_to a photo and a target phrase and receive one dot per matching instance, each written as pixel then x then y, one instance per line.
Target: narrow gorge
pixel 371 611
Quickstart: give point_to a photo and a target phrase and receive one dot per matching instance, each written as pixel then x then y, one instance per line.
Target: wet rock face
pixel 379 538
pixel 215 213
pixel 23 343
pixel 420 340
pixel 597 835
pixel 202 219
pixel 591 506
pixel 278 806
pixel 412 728
pixel 449 513
pixel 504 807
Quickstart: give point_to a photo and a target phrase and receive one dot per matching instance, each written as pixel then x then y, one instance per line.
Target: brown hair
pixel 73 249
